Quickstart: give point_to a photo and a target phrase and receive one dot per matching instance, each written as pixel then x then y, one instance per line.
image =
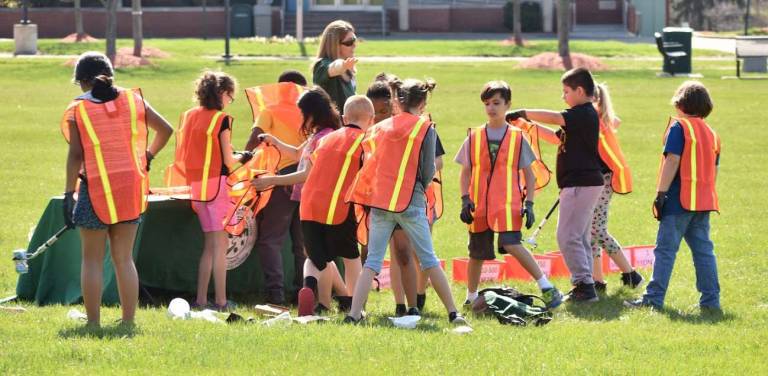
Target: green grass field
pixel 603 338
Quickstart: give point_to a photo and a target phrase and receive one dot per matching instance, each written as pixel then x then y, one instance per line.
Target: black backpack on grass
pixel 511 307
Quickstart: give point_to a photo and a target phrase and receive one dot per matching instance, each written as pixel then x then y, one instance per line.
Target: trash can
pixel 678 39
pixel 241 20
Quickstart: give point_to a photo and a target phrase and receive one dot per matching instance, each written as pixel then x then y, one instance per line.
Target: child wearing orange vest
pixel 578 175
pixel 114 177
pixel 204 154
pixel 491 158
pixel 685 196
pixel 280 217
pixel 399 165
pixel 617 178
pixel 320 118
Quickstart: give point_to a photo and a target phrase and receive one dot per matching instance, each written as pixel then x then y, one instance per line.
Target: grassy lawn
pixel 185 48
pixel 603 338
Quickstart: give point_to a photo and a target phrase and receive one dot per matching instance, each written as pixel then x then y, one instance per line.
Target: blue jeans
pixel 694 228
pixel 414 222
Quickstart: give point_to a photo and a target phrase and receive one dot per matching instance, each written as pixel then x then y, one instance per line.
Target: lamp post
pixel 227 56
pixel 25 13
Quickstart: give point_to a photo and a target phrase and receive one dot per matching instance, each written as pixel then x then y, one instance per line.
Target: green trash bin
pixel 678 39
pixel 241 20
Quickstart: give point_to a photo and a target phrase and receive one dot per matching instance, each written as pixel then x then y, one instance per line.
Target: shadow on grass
pixel 384 322
pixel 608 308
pixel 699 316
pixel 110 332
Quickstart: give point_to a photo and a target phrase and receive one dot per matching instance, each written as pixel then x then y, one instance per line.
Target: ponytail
pixel 411 92
pixel 103 88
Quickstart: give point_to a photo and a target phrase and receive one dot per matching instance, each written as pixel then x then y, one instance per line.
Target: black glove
pixel 467 207
pixel 530 218
pixel 245 156
pixel 68 208
pixel 658 204
pixel 150 157
pixel 514 115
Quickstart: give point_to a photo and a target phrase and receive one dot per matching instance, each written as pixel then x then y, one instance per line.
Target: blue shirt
pixel 675 144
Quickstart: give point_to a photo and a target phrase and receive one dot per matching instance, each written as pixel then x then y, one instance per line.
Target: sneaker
pixel 413 311
pixel 400 310
pixel 226 307
pixel 632 279
pixel 306 302
pixel 351 320
pixel 601 287
pixel 640 303
pixel 321 310
pixel 197 306
pixel 345 303
pixel 583 292
pixel 552 297
pixel 456 319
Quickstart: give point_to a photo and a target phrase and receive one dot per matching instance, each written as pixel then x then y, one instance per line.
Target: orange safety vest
pixel 388 177
pixel 496 189
pixel 698 165
pixel 199 160
pixel 610 152
pixel 336 162
pixel 540 170
pixel 246 201
pixel 114 139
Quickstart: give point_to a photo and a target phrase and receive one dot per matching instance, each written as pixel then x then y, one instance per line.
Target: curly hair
pixel 210 86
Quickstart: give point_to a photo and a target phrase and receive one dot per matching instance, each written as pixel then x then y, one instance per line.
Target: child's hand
pixel 514 115
pixel 530 218
pixel 245 156
pixel 268 139
pixel 261 183
pixel 467 207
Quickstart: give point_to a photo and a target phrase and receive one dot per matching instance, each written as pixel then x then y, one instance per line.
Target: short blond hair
pixel 358 107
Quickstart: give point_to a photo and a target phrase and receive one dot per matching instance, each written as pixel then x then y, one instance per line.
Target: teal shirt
pixel 337 87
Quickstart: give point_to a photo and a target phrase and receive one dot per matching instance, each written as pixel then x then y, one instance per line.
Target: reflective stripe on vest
pixel 117 183
pixel 404 163
pixel 342 176
pixel 208 150
pixel 611 154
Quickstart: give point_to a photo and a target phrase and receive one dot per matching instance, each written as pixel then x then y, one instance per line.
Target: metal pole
pixel 205 20
pixel 299 20
pixel 24 13
pixel 746 18
pixel 227 56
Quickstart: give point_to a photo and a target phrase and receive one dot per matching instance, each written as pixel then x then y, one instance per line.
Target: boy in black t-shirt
pixel 578 174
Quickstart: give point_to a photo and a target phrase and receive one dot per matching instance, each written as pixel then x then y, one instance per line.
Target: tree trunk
pixel 563 26
pixel 79 30
pixel 111 34
pixel 138 34
pixel 517 25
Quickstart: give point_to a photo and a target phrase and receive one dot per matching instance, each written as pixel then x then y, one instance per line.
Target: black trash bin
pixel 678 39
pixel 241 20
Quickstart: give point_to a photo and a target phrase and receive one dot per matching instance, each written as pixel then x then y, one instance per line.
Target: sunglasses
pixel 349 43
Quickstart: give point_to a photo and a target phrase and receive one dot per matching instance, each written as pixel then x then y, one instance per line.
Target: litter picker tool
pixel 532 239
pixel 20 256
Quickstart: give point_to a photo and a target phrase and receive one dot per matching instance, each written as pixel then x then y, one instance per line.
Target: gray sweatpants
pixel 577 205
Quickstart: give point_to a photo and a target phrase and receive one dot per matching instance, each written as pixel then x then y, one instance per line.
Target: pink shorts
pixel 213 213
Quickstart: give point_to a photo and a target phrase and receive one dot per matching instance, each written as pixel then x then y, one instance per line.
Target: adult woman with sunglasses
pixel 334 68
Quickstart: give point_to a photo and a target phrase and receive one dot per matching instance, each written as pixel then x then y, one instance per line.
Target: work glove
pixel 530 218
pixel 68 208
pixel 245 156
pixel 658 204
pixel 467 207
pixel 150 157
pixel 514 115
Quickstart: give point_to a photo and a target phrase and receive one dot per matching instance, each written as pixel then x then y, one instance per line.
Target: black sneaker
pixel 345 303
pixel 321 310
pixel 421 300
pixel 400 310
pixel 456 319
pixel 351 320
pixel 413 311
pixel 601 287
pixel 632 279
pixel 583 292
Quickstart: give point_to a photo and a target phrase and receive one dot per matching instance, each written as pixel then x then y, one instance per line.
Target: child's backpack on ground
pixel 511 307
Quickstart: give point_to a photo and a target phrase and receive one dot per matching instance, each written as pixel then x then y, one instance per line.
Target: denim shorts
pixel 85 217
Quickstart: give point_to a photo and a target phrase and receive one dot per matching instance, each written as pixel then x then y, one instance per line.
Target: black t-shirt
pixel 224 126
pixel 578 162
pixel 439 151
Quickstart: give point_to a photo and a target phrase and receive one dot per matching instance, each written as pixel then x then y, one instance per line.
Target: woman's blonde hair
pixel 604 104
pixel 332 36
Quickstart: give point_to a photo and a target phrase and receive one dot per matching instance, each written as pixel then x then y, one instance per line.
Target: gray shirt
pixel 426 169
pixel 494 140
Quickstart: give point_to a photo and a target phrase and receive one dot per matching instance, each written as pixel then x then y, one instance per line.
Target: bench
pixel 672 52
pixel 754 52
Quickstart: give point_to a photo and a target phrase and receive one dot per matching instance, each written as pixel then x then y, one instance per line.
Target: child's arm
pixel 163 131
pixel 530 183
pixel 290 151
pixel 669 168
pixel 466 174
pixel 230 158
pixel 545 116
pixel 547 134
pixel 74 158
pixel 300 176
